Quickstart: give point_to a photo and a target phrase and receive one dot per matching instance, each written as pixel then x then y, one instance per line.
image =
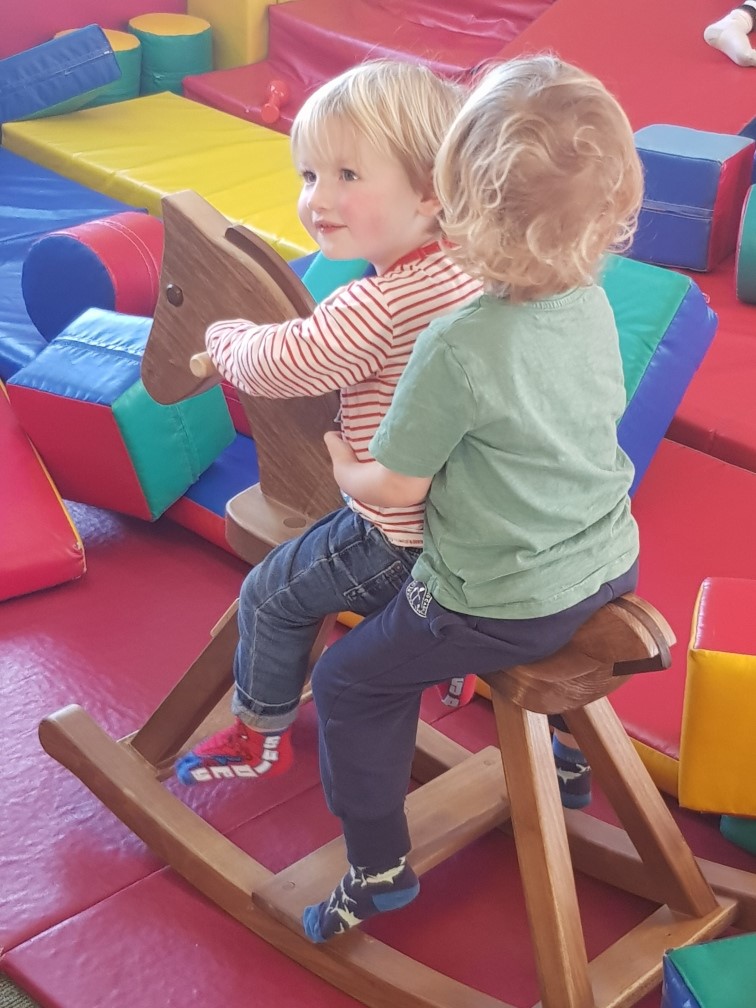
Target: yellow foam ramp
pixel 141 150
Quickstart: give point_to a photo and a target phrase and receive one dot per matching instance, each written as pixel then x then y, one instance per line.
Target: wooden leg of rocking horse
pixel 203 686
pixel 620 975
pixel 194 697
pixel 641 809
pixel 543 855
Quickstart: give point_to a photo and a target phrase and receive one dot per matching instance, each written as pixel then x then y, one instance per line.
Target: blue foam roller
pixel 57 71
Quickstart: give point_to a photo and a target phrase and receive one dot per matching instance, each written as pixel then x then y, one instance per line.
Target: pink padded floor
pixel 92 919
pixel 89 902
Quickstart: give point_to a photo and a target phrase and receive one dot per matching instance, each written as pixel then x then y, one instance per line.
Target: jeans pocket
pixel 377 591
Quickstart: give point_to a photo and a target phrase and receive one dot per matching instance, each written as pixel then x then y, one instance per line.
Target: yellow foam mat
pixel 140 150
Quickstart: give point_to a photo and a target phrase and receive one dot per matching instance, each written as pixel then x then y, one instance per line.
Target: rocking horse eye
pixel 175 295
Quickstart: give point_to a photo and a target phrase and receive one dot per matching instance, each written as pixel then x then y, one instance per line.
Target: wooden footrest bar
pixel 632 966
pixel 444 816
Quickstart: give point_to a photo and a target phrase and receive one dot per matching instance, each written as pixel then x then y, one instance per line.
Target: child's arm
pixel 372 482
pixel 344 342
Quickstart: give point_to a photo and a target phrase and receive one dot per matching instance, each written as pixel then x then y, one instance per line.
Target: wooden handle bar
pixel 202 366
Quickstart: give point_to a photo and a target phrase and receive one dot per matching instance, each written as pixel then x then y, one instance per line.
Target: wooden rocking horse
pixel 212 270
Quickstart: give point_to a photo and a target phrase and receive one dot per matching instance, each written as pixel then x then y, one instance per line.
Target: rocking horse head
pixel 211 270
pixel 214 270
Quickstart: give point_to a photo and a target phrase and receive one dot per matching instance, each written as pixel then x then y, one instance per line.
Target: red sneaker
pixel 459 691
pixel 236 752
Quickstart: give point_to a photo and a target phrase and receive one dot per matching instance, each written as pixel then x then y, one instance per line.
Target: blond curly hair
pixel 538 178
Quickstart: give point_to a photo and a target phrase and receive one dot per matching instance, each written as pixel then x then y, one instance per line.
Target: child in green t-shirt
pixel 505 417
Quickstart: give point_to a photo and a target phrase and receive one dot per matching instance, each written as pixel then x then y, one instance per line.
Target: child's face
pixel 358 203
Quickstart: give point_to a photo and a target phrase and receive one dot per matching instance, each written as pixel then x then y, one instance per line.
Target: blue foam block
pixel 695 183
pixel 675 991
pixel 714 974
pixel 94 360
pixel 665 328
pixel 56 71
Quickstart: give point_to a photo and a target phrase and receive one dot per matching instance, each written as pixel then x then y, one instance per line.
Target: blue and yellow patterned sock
pixel 362 893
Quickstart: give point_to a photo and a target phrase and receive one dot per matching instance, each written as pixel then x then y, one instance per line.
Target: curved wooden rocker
pixel 463 796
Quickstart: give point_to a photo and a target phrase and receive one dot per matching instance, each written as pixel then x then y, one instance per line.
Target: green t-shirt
pixel 513 410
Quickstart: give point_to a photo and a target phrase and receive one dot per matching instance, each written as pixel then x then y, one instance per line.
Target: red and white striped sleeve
pixel 345 341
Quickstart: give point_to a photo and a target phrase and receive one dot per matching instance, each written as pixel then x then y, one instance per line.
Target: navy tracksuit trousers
pixel 367 689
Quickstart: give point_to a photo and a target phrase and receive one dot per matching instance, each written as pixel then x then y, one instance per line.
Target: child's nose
pixel 319 196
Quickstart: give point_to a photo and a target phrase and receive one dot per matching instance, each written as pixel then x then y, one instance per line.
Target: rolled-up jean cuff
pixel 377 843
pixel 263 722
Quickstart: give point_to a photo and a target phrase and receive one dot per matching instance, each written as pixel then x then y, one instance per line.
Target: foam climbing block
pixel 203 507
pixel 322 276
pixel 716 974
pixel 695 184
pixel 240 29
pixel 111 263
pixel 34 201
pixel 665 328
pixel 39 544
pixel 745 266
pixel 127 50
pixel 104 440
pixel 141 150
pixel 173 45
pixel 740 831
pixel 311 41
pixel 63 70
pixel 718 743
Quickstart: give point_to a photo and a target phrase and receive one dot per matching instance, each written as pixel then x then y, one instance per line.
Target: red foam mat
pixel 83 891
pixel 652 56
pixel 716 414
pixel 115 642
pixel 310 41
pixel 188 951
pixel 39 546
pixel 695 514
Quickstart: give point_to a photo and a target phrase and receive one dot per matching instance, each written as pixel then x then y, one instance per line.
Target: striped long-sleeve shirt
pixel 358 340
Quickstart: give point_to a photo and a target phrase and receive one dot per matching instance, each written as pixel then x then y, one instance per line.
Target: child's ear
pixel 430 206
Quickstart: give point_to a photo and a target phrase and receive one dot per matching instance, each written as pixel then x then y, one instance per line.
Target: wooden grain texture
pixel 626 634
pixel 212 270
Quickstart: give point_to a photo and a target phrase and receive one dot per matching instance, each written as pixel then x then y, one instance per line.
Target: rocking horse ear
pixel 660 637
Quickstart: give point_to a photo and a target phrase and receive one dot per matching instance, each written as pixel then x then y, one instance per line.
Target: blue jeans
pixel 343 562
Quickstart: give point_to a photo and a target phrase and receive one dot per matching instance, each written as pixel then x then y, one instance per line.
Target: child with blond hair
pixel 364 145
pixel 506 418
